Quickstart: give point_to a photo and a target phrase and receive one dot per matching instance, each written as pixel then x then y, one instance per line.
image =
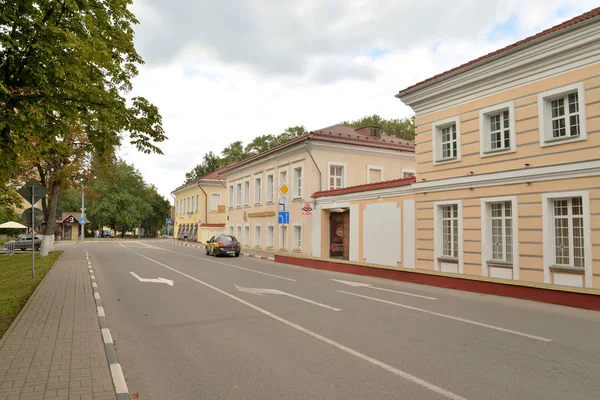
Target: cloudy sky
pixel 230 70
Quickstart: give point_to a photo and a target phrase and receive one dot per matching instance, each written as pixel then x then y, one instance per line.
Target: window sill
pixel 566 268
pixel 300 199
pixel 502 264
pixel 448 259
pixel 496 152
pixel 562 140
pixel 446 161
pixel 269 247
pixel 257 204
pixel 297 250
pixel 270 202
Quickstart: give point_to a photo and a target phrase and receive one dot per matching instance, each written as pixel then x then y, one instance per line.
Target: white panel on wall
pixel 315 243
pixel 449 267
pixel 408 210
pixel 503 273
pixel 382 225
pixel 354 231
pixel 568 279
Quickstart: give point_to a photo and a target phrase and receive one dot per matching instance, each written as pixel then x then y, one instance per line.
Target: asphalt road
pixel 303 334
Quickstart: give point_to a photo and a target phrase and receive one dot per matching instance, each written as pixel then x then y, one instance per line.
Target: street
pixel 190 326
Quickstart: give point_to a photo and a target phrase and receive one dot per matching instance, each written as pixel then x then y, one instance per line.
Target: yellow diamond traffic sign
pixel 284 189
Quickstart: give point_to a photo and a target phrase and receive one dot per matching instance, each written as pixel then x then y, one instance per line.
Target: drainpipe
pixel 318 170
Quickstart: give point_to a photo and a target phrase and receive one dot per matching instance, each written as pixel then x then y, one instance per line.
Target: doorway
pixel 67 232
pixel 339 234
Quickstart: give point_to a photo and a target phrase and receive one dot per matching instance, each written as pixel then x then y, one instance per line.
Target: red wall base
pixel 572 299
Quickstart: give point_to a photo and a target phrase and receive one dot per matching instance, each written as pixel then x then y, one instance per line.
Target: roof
pixel 574 21
pixel 367 187
pixel 338 133
pixel 215 175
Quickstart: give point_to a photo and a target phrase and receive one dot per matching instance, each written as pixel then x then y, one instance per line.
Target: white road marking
pixel 94 284
pixel 107 336
pixel 92 276
pixel 229 265
pixel 118 378
pixel 260 292
pixel 97 295
pixel 468 321
pixel 101 312
pixel 405 375
pixel 159 280
pixel 360 284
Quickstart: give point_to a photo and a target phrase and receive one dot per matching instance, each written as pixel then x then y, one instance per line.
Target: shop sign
pixel 260 214
pixel 307 210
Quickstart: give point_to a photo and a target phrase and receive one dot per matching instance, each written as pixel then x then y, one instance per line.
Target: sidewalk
pixel 54 350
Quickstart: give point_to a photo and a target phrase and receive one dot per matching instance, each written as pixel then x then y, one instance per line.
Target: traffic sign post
pixel 283 218
pixel 32 192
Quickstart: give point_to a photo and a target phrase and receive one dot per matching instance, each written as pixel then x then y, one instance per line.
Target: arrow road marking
pixel 260 292
pixel 468 321
pixel 359 284
pixel 159 280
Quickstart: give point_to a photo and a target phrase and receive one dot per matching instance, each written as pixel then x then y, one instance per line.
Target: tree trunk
pixel 48 237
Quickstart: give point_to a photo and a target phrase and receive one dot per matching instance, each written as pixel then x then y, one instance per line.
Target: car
pixel 223 245
pixel 23 242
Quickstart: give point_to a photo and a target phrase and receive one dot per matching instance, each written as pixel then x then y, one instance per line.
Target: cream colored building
pixel 200 211
pixel 508 169
pixel 333 157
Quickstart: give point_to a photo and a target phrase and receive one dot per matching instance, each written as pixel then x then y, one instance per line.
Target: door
pixel 338 232
pixel 67 232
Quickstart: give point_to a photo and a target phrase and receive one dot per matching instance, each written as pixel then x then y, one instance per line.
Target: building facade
pixel 508 169
pixel 199 211
pixel 330 158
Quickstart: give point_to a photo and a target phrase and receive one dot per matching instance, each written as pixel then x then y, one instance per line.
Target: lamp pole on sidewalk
pixel 82 214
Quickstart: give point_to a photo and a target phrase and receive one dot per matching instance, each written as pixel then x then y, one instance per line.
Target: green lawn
pixel 16 284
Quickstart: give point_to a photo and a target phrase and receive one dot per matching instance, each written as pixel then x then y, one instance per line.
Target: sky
pixel 221 71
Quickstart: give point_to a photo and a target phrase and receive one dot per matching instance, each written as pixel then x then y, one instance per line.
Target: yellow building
pixel 200 211
pixel 334 157
pixel 508 169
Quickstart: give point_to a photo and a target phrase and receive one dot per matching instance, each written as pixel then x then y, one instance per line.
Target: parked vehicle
pixel 223 245
pixel 23 242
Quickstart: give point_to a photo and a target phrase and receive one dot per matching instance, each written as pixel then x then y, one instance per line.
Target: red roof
pixel 574 21
pixel 365 188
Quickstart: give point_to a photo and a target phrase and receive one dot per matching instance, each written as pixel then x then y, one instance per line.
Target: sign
pixel 307 209
pixel 169 221
pixel 283 218
pixel 284 189
pixel 70 220
pixel 261 214
pixel 38 217
pixel 32 187
pixel 220 209
pixel 245 216
pixel 82 221
pixel 284 203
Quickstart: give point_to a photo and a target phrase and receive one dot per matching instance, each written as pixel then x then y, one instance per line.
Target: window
pixel 282 177
pixel 446 141
pixel 198 201
pixel 246 193
pixel 568 232
pixel 562 115
pixel 239 234
pixel 215 201
pixel 450 230
pixel 231 230
pixel 408 173
pixel 257 236
pixel 297 244
pixel 270 188
pixel 496 130
pixel 502 231
pixel 258 190
pixel 270 237
pixel 185 205
pixel 230 196
pixel 238 197
pixel 247 235
pixel 297 190
pixel 336 176
pixel 283 237
pixel 374 174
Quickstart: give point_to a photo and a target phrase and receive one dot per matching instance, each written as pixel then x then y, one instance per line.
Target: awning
pixel 12 225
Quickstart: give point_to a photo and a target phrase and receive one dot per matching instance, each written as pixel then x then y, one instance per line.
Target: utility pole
pixel 82 215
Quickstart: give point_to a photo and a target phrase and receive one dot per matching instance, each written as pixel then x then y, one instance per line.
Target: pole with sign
pixel 283 218
pixel 32 191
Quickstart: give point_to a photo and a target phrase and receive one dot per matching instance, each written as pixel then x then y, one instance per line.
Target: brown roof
pixel 366 187
pixel 574 21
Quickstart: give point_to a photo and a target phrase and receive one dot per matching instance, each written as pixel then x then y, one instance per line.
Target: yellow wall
pixel 201 214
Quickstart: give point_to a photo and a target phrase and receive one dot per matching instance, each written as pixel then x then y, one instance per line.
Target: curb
pixel 203 247
pixel 109 345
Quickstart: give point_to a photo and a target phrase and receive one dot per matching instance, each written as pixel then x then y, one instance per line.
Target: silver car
pixel 24 242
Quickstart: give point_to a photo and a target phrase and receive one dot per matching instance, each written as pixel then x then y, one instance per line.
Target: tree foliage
pixel 401 128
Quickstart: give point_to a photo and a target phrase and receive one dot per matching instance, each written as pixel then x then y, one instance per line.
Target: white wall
pixel 382 227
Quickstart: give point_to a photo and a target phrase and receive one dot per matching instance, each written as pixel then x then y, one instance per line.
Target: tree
pixel 233 153
pixel 63 66
pixel 400 128
pixel 210 163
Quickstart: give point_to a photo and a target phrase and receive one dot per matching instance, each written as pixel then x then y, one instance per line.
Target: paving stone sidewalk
pixel 55 350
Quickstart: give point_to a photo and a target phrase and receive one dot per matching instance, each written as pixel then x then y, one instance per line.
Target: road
pixel 243 328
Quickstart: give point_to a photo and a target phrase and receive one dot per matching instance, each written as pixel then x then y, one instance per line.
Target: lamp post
pixel 82 215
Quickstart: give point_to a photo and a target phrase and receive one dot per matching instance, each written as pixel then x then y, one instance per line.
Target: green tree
pixel 233 153
pixel 401 128
pixel 210 163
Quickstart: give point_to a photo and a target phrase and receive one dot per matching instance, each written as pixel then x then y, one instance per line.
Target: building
pixel 200 211
pixel 508 169
pixel 331 158
pixel 67 226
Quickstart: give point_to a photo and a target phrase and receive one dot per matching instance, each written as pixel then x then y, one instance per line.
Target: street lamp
pixel 82 220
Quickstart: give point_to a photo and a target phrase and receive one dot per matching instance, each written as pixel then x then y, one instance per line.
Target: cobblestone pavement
pixel 56 350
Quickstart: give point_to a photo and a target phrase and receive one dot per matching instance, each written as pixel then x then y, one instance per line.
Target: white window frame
pixel 258 189
pixel 485 145
pixel 211 201
pixel 548 234
pixel 232 230
pixel 486 235
pixel 247 235
pixel 246 195
pixel 257 236
pixel 239 236
pixel 545 115
pixel 410 171
pixel 297 194
pixel 295 246
pixel 197 202
pixel 438 231
pixel 344 172
pixel 283 238
pixel 231 196
pixel 270 193
pixel 374 168
pixel 270 240
pixel 239 193
pixel 436 129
